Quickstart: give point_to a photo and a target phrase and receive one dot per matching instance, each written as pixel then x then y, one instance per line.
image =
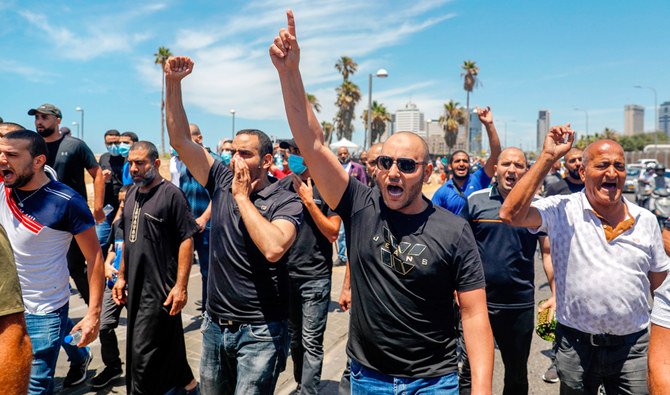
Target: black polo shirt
pixel 507 252
pixel 311 256
pixel 69 156
pixel 113 163
pixel 563 187
pixel 243 286
pixel 404 270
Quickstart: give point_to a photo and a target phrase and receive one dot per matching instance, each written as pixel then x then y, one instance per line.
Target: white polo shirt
pixel 660 315
pixel 601 286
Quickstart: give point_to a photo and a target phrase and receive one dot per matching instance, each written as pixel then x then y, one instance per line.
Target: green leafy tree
pixel 160 58
pixel 314 102
pixel 327 131
pixel 348 95
pixel 379 118
pixel 453 117
pixel 470 81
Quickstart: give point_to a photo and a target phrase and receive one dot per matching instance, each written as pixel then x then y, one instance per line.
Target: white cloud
pixel 28 72
pixel 233 68
pixel 100 36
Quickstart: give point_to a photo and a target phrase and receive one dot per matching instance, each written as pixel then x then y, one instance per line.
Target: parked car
pixel 632 174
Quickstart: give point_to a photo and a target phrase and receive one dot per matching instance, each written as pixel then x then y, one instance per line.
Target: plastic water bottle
pixel 107 209
pixel 73 338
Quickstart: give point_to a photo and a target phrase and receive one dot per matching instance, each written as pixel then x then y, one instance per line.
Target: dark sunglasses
pixel 405 165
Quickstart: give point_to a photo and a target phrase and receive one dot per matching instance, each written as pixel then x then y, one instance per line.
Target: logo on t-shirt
pixel 401 257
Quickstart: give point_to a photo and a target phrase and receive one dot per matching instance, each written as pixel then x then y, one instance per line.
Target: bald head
pixel 6 127
pixel 600 147
pixel 512 151
pixel 375 151
pixel 196 135
pixel 413 141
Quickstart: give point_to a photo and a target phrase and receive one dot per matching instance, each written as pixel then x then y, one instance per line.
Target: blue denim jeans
pixel 342 245
pixel 201 245
pixel 102 231
pixel 242 360
pixel 308 309
pixel 46 332
pixel 366 381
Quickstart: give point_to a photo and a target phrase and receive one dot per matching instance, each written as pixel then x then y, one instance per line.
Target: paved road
pixel 334 345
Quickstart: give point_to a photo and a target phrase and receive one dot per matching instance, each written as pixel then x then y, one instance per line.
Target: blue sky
pixel 533 55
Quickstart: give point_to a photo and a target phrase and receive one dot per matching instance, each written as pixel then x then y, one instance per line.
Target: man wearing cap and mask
pixel 310 267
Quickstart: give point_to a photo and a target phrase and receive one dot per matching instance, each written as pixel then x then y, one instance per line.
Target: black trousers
pixel 76 264
pixel 513 333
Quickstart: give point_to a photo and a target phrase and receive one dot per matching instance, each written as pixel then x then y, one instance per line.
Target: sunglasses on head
pixel 405 165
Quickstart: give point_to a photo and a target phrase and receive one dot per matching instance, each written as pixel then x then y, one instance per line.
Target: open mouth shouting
pixel 394 190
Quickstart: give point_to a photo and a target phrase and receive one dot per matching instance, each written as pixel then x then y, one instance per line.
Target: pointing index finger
pixel 291 22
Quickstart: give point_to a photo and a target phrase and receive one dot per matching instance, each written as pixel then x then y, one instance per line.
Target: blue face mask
pixel 113 149
pixel 226 156
pixel 296 164
pixel 124 148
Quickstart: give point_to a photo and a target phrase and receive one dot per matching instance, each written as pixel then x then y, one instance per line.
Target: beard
pixel 146 179
pixel 574 174
pixel 47 132
pixel 344 161
pixel 21 180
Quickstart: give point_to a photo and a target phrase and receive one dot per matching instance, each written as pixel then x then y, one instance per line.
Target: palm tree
pixel 346 66
pixel 348 95
pixel 610 134
pixel 327 131
pixel 453 117
pixel 379 118
pixel 160 58
pixel 469 74
pixel 311 99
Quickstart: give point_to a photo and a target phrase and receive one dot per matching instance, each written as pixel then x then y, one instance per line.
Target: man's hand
pixel 177 297
pixel 304 190
pixel 201 222
pixel 345 299
pixel 99 215
pixel 485 115
pixel 119 291
pixel 558 141
pixel 241 179
pixel 284 51
pixel 110 271
pixel 178 67
pixel 107 175
pixel 89 327
pixel 551 305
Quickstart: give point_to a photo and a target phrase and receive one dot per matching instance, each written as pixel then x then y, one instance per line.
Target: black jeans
pixel 582 367
pixel 513 333
pixel 76 264
pixel 308 312
pixel 109 320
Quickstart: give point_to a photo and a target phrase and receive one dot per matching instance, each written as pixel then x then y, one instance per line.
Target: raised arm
pixel 486 118
pixel 194 156
pixel 328 226
pixel 327 172
pixel 516 210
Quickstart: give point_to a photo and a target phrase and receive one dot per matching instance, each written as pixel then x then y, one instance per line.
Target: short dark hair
pixel 458 151
pixel 112 132
pixel 264 142
pixel 36 144
pixel 132 135
pixel 12 125
pixel 152 151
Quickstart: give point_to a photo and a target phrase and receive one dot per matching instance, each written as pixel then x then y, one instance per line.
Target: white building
pixel 633 119
pixel 409 119
pixel 475 135
pixel 543 125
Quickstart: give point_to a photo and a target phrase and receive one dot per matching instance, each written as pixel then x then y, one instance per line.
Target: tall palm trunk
pixel 467 121
pixel 162 112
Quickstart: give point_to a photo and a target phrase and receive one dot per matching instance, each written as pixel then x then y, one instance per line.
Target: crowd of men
pixel 430 284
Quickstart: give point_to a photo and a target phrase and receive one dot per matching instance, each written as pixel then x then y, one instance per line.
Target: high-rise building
pixel 664 118
pixel 475 135
pixel 543 125
pixel 409 119
pixel 436 144
pixel 633 119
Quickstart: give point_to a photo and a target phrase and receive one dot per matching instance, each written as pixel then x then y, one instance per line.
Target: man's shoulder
pixel 61 191
pixel 557 188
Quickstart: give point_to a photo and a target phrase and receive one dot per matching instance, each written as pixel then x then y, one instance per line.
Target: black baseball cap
pixel 286 144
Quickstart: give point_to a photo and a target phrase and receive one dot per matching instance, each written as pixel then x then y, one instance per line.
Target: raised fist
pixel 178 67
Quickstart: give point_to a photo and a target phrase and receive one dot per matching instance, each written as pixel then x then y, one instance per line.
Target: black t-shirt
pixel 563 187
pixel 243 286
pixel 311 255
pixel 69 156
pixel 404 270
pixel 113 186
pixel 507 252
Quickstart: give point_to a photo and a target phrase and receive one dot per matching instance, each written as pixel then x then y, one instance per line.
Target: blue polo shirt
pixel 448 196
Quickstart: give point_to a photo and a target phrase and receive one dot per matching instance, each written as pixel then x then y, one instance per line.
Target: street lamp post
pixel 655 115
pixel 586 113
pixel 232 135
pixel 81 110
pixel 381 73
pixel 77 125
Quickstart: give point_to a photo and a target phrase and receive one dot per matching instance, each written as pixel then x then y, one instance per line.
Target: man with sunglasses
pixel 402 330
pixel 453 194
